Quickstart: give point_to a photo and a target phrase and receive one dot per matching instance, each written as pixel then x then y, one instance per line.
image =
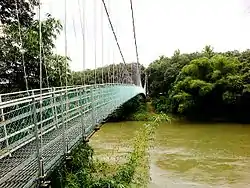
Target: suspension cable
pixel 66 79
pixel 114 34
pixel 113 59
pixel 22 50
pixel 45 67
pixel 40 98
pixel 95 27
pixel 75 34
pixel 66 43
pixel 102 42
pixel 135 41
pixel 56 65
pixel 112 28
pixel 112 50
pixel 82 22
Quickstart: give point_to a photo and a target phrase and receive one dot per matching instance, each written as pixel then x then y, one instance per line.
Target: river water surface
pixel 186 155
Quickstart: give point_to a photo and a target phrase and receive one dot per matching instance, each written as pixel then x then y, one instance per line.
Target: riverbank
pixel 89 170
pixel 132 170
pixel 146 113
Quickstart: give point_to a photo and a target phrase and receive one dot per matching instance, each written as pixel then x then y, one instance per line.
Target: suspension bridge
pixel 40 127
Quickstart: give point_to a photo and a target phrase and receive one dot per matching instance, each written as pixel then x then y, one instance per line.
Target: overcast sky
pixel 162 26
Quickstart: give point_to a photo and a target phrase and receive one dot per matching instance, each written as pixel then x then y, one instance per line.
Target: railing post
pixel 81 112
pixel 64 125
pixel 92 106
pixel 6 137
pixel 54 109
pixel 66 121
pixel 1 110
pixel 4 127
pixel 103 102
pixel 38 153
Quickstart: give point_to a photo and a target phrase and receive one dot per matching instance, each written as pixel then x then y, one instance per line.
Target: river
pixel 186 155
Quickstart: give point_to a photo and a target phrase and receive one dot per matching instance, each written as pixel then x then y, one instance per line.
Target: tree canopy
pixel 202 84
pixel 12 10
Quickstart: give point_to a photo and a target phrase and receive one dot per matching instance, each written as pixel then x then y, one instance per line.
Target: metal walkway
pixel 37 131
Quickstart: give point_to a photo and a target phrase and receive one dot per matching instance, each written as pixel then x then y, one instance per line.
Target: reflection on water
pixel 186 154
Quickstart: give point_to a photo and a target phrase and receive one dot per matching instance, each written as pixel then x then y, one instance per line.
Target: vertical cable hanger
pixel 66 43
pixel 82 22
pixel 113 60
pixel 95 33
pixel 102 43
pixel 66 71
pixel 40 100
pixel 22 50
pixel 40 68
pixel 109 80
pixel 75 34
pixel 114 34
pixel 138 72
pixel 45 66
pixel 57 66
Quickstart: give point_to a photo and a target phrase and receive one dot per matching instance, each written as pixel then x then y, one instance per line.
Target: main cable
pixel 112 28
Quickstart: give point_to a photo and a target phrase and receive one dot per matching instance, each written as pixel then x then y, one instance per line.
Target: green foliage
pixel 202 85
pixel 25 11
pixel 13 53
pixel 84 171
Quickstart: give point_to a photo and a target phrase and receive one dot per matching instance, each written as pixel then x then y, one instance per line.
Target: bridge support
pixel 45 184
pixel 68 157
pixel 41 175
pixel 97 128
pixel 41 180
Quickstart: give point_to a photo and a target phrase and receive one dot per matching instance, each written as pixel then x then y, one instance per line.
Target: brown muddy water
pixel 185 155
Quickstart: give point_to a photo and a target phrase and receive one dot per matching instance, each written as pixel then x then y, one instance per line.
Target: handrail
pixel 37 96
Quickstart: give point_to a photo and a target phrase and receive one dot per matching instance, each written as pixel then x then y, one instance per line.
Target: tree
pixel 15 53
pixel 208 51
pixel 57 71
pixel 203 84
pixel 10 8
pixel 208 86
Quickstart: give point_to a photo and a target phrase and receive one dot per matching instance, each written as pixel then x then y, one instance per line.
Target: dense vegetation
pixel 202 85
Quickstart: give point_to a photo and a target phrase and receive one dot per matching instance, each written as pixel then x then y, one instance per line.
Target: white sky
pixel 162 26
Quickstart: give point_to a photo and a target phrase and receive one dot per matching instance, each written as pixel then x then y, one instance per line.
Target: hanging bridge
pixel 40 127
pixel 37 131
